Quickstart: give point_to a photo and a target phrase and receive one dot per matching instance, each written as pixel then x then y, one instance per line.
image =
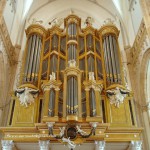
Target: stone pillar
pixel 136 145
pixel 2 7
pixel 145 4
pixel 44 145
pixel 7 144
pixel 147 127
pixel 100 145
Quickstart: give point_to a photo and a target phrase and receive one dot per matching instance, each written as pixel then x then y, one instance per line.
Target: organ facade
pixel 72 88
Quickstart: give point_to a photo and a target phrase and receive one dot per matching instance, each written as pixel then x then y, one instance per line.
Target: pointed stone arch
pixel 143 75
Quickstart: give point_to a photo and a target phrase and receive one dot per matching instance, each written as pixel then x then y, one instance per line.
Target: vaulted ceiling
pixel 47 10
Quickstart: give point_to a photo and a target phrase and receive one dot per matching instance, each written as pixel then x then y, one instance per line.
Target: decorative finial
pixel 89 21
pixel 72 63
pixel 56 22
pixel 35 21
pixel 52 76
pixel 117 96
pixel 91 76
pixel 71 11
pixel 109 21
pixel 26 95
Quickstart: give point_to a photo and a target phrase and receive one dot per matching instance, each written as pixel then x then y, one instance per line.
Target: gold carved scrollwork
pixel 73 19
pixel 109 29
pixel 97 86
pixel 51 84
pixel 35 28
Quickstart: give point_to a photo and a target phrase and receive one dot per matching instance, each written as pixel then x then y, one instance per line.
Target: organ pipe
pixel 35 58
pixel 38 59
pixel 72 95
pixel 93 52
pixel 51 102
pixel 76 75
pixel 117 60
pixel 92 102
pixel 111 54
pixel 72 31
pixel 106 62
pixel 31 59
pixel 28 56
pixel 112 58
pixel 109 59
pixel 35 35
pixel 72 52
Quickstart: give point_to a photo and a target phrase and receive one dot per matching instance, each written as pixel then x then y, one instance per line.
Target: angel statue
pixel 52 76
pixel 56 22
pixel 26 95
pixel 72 63
pixel 79 130
pixel 117 95
pixel 62 131
pixel 71 144
pixel 89 21
pixel 91 76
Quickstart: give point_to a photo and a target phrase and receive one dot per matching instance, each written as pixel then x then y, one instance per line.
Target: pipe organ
pixel 72 77
pixel 33 53
pixel 111 56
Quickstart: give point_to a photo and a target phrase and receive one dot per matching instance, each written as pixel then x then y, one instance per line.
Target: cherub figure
pixel 117 96
pixel 80 131
pixel 71 144
pixel 62 131
pixel 26 95
pixel 53 76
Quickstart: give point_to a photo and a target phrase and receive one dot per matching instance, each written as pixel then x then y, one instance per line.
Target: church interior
pixel 74 74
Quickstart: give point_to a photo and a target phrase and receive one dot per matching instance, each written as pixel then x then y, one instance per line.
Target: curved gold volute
pixel 36 29
pixel 54 30
pixel 89 30
pixel 109 29
pixel 72 18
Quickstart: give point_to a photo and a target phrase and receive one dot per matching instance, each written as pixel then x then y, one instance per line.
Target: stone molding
pixel 131 4
pixel 141 41
pixel 13 5
pixel 2 7
pixel 10 49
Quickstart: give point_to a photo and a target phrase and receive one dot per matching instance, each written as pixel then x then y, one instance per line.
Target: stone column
pixel 100 145
pixel 2 7
pixel 7 144
pixel 44 145
pixel 145 4
pixel 147 127
pixel 136 145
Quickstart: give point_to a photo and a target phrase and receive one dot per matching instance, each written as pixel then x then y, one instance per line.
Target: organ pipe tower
pixel 72 78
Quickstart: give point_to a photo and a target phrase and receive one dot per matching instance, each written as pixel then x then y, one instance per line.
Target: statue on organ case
pixel 26 95
pixel 117 95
